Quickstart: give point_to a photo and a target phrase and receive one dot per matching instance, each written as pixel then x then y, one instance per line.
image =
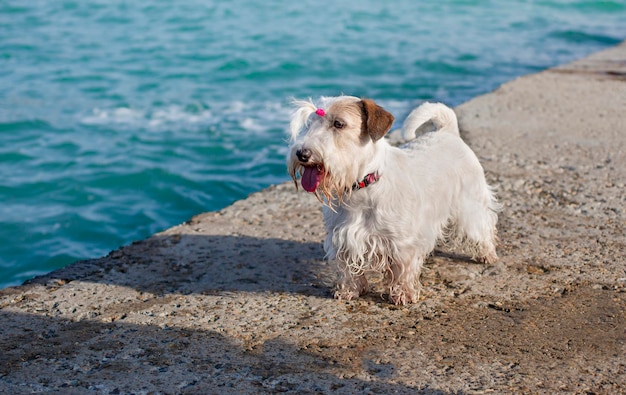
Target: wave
pixel 578 37
pixel 147 118
pixel 256 117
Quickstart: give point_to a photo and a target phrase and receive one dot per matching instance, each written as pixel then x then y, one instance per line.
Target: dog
pixel 386 207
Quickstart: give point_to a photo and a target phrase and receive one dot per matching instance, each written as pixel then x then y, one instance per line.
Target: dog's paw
pixel 489 259
pixel 401 296
pixel 350 287
pixel 346 294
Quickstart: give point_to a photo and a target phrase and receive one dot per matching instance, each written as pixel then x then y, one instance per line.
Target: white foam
pixel 120 115
pixel 252 117
pixel 235 107
pixel 251 125
pixel 151 119
pixel 178 115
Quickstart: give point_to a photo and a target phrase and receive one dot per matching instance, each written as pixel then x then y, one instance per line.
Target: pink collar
pixel 367 180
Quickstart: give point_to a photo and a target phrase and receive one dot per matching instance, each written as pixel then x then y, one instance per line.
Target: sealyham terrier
pixel 385 208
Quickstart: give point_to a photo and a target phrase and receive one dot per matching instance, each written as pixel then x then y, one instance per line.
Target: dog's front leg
pixel 403 278
pixel 349 285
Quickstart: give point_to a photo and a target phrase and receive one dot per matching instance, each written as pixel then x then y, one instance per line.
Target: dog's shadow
pixel 203 264
pixel 450 256
pixel 212 264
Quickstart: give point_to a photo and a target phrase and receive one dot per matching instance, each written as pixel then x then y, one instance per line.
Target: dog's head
pixel 334 142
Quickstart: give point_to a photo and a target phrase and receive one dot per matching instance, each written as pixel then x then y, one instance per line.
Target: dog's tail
pixel 430 117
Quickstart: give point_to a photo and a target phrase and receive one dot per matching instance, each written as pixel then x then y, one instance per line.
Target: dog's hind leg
pixel 477 227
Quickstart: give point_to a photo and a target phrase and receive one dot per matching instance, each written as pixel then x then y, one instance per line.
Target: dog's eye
pixel 339 125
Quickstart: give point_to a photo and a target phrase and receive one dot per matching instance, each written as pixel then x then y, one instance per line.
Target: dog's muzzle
pixel 311 173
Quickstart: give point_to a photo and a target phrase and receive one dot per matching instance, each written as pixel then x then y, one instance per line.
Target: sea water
pixel 120 118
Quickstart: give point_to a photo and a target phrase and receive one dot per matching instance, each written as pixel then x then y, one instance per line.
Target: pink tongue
pixel 310 179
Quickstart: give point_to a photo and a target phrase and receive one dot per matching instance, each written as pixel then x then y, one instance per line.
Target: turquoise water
pixel 119 119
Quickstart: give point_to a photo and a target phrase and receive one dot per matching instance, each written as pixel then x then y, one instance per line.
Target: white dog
pixel 387 207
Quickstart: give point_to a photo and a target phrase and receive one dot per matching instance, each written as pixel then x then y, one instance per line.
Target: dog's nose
pixel 304 154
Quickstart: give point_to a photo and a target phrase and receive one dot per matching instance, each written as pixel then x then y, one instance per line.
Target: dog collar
pixel 367 180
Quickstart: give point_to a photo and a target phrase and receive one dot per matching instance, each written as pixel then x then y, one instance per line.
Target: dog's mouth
pixel 311 177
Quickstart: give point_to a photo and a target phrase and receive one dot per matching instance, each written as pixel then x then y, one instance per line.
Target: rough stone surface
pixel 239 301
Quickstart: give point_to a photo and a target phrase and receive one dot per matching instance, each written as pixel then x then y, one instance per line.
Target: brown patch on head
pixel 376 120
pixel 346 111
pixel 345 117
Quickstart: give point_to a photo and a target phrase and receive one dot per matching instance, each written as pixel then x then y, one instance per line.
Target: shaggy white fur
pixel 430 189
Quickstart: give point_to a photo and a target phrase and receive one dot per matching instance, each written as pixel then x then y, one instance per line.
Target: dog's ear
pixel 300 117
pixel 376 120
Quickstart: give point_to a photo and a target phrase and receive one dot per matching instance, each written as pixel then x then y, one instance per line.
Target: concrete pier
pixel 239 301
